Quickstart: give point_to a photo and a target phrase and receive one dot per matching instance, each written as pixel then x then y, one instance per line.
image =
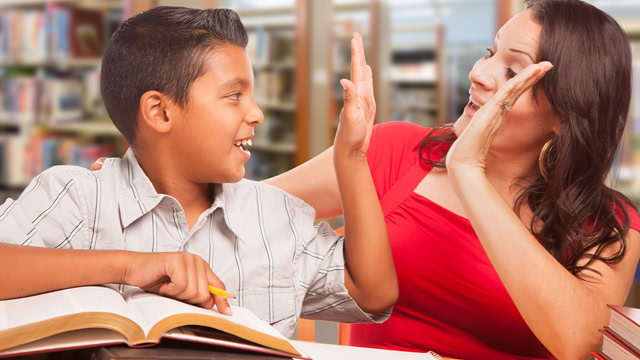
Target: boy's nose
pixel 255 116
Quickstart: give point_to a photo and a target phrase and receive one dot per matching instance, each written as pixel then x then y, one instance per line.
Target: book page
pixel 32 309
pixel 153 308
pixel 68 340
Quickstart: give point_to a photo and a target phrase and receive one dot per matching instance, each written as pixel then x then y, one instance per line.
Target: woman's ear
pixel 153 112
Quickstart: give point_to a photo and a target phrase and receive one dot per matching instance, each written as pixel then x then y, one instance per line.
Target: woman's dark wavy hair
pixel 590 89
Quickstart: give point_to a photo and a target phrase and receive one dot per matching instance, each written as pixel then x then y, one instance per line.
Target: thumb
pixel 350 95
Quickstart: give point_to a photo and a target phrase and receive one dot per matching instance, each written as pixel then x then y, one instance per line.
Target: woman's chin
pixel 461 124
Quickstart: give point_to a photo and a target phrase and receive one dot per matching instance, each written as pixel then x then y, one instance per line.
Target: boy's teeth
pixel 249 142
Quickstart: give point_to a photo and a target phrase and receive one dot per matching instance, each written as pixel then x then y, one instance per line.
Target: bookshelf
pixel 625 176
pixel 51 111
pixel 371 20
pixel 272 52
pixel 416 74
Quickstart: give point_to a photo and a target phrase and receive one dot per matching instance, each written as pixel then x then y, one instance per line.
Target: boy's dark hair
pixel 163 49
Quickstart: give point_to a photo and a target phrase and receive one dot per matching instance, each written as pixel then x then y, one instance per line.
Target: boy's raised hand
pixel 179 275
pixel 358 113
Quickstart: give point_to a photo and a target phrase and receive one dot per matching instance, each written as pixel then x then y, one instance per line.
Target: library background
pixel 421 52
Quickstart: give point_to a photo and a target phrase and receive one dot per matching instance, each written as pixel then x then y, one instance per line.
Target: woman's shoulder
pixel 634 218
pixel 393 150
pixel 395 138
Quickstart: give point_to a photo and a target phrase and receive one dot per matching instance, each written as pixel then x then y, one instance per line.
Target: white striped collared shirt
pixel 259 240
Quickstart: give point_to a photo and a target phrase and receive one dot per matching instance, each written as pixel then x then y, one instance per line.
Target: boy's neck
pixel 167 179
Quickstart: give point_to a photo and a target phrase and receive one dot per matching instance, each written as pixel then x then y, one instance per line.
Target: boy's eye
pixel 510 73
pixel 235 96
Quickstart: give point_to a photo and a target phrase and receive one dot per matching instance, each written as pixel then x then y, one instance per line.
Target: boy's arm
pixel 30 270
pixel 50 215
pixel 370 273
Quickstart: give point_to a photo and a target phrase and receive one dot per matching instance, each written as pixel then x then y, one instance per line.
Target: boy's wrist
pixel 354 158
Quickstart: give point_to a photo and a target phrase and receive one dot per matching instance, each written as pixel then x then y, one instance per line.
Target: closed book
pixel 600 356
pixel 617 348
pixel 91 316
pixel 625 322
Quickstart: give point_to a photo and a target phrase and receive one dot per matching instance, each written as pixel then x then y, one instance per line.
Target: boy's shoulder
pixel 64 174
pixel 265 195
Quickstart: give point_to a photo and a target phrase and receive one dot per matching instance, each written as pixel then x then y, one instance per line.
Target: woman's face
pixel 528 124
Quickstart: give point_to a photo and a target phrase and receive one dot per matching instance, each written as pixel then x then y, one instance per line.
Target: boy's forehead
pixel 229 66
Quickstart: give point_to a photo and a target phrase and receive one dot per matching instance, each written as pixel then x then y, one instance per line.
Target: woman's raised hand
pixel 469 151
pixel 358 113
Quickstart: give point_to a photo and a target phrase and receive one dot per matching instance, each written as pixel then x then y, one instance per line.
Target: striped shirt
pixel 259 240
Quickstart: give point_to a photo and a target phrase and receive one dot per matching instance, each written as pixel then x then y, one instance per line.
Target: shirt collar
pixel 137 196
pixel 232 198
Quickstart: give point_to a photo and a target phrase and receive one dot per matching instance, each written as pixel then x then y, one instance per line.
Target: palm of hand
pixel 472 146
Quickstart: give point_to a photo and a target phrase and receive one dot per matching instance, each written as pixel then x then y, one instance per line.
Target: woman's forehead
pixel 523 31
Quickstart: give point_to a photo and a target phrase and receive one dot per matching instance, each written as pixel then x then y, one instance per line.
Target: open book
pixel 95 315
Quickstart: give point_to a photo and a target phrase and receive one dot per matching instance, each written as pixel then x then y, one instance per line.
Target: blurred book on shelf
pixel 271 51
pixel 58 32
pixel 22 159
pixel 51 111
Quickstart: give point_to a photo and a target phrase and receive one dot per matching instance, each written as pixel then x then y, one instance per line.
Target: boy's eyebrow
pixel 234 83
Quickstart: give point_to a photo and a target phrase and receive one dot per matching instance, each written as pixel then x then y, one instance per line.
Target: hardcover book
pixel 97 315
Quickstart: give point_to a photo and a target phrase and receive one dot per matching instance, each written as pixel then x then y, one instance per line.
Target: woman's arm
pixel 564 312
pixel 314 182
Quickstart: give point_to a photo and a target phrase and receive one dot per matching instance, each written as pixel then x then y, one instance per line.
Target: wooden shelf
pixel 31 3
pixel 284 65
pixel 88 62
pixel 280 148
pixel 414 106
pixel 87 127
pixel 412 80
pixel 276 105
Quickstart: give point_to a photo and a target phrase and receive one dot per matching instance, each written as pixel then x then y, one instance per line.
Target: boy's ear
pixel 153 111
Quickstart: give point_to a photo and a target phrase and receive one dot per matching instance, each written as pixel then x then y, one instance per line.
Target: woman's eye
pixel 511 73
pixel 490 53
pixel 235 96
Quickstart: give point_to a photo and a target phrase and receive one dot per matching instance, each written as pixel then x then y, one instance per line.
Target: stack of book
pixel 622 336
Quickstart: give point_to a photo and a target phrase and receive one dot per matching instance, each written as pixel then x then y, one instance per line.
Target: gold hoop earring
pixel 541 160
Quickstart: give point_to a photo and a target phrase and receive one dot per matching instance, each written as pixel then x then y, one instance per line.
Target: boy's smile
pixel 212 131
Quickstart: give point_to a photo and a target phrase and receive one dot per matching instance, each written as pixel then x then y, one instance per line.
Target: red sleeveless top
pixel 451 298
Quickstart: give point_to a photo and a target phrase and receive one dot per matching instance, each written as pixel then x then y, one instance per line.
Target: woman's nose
pixel 483 73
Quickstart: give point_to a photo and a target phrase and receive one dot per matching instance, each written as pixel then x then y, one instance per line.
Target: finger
pixel 177 276
pixel 221 302
pixel 98 164
pixel 509 93
pixel 203 296
pixel 529 77
pixel 191 287
pixel 371 98
pixel 357 58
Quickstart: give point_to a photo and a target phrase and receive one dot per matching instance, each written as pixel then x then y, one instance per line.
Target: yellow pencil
pixel 220 292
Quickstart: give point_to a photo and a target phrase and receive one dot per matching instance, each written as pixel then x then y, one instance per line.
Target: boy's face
pixel 220 113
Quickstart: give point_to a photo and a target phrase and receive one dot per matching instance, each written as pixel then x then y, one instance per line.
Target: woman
pixel 515 248
pixel 507 243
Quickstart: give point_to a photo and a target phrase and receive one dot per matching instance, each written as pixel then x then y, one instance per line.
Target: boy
pixel 171 216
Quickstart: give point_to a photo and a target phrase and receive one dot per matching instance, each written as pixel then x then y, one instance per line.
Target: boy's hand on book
pixel 179 275
pixel 356 118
